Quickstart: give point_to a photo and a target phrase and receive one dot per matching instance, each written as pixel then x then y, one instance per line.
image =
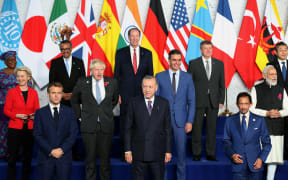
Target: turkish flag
pixel 247 44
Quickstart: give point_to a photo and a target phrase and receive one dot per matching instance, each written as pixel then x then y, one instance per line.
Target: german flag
pixel 108 31
pixel 155 35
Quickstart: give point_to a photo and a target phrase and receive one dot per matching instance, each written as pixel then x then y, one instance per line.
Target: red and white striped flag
pixel 178 32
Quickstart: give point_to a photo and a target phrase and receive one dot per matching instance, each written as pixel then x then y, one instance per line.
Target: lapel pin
pixel 254 120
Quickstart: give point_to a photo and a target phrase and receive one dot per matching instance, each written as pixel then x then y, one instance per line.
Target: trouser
pixel 16 138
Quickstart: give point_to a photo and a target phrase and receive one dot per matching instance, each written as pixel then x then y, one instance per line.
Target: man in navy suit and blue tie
pixel 244 135
pixel 55 131
pixel 178 88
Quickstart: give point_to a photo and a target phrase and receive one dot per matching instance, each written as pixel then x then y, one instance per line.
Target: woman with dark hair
pixel 20 105
pixel 7 81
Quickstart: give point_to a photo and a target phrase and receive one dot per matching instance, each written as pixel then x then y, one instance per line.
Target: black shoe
pixel 211 158
pixel 196 158
pixel 77 157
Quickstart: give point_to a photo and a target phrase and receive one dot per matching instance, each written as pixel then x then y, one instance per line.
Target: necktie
pixel 67 66
pixel 134 61
pixel 56 116
pixel 98 93
pixel 174 83
pixel 244 127
pixel 150 107
pixel 207 69
pixel 284 71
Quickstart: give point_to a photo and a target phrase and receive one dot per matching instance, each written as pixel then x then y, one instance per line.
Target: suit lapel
pixel 238 124
pixel 202 68
pixel 61 121
pixel 179 88
pixel 128 54
pixel 251 126
pixel 106 87
pixel 141 54
pixel 89 89
pixel 213 64
pixel 50 117
pixel 168 82
pixel 64 67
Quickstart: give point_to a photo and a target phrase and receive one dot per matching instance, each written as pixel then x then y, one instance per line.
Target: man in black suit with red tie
pixel 132 63
pixel 148 133
pixel 67 70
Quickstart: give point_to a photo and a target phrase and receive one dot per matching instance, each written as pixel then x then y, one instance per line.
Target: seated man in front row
pixel 55 131
pixel 244 134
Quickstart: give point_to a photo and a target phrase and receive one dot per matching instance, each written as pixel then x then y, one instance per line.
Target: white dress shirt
pixel 281 65
pixel 69 64
pixel 152 103
pixel 52 110
pixel 210 65
pixel 247 115
pixel 177 76
pixel 101 86
pixel 137 54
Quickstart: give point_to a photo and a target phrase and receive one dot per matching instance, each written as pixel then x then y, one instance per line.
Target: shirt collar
pixel 152 99
pixel 52 106
pixel 205 60
pixel 280 61
pixel 246 114
pixel 171 72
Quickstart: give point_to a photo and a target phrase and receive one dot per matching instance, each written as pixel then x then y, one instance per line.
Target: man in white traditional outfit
pixel 270 101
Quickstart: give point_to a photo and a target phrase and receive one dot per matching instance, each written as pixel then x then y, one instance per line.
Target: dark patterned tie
pixel 174 83
pixel 150 107
pixel 56 116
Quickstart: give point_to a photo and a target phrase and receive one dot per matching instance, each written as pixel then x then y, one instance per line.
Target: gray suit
pixel 96 133
pixel 209 94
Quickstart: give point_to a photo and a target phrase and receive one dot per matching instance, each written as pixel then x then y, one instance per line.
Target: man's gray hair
pixel 149 77
pixel 95 63
pixel 266 69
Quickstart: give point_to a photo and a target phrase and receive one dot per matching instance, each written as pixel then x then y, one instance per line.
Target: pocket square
pixel 255 128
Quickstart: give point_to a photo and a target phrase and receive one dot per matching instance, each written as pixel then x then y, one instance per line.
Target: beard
pixel 271 82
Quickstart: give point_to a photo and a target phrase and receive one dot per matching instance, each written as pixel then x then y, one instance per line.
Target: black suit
pixel 209 94
pixel 148 137
pixel 96 135
pixel 58 73
pixel 129 82
pixel 284 84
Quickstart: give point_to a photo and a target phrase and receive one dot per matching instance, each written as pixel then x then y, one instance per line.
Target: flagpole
pixel 226 112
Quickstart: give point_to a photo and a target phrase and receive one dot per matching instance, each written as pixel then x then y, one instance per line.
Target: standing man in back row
pixel 177 87
pixel 209 82
pixel 132 63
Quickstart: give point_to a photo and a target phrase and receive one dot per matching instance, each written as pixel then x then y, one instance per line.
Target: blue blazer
pixel 182 106
pixel 48 137
pixel 249 146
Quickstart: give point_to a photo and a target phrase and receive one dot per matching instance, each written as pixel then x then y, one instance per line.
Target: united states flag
pixel 84 31
pixel 178 32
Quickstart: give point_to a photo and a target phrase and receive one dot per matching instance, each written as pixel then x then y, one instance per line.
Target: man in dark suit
pixel 246 141
pixel 98 95
pixel 280 64
pixel 66 70
pixel 55 131
pixel 209 82
pixel 177 87
pixel 132 63
pixel 147 140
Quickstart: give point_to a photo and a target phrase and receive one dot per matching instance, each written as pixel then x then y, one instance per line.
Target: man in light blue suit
pixel 178 88
pixel 244 135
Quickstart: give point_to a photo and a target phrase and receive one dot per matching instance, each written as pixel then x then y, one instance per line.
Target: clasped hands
pixel 57 153
pixel 128 157
pixel 237 158
pixel 273 113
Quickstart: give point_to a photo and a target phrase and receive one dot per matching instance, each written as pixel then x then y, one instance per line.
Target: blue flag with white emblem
pixel 10 29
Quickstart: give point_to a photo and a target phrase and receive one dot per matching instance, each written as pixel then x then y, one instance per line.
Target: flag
pixel 131 19
pixel 83 37
pixel 247 43
pixel 271 33
pixel 179 31
pixel 10 29
pixel 224 39
pixel 202 29
pixel 155 35
pixel 58 22
pixel 107 35
pixel 31 44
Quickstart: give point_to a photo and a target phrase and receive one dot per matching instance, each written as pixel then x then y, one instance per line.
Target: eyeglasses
pixel 65 49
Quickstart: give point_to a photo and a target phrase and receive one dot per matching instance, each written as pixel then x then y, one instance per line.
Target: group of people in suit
pixel 154 113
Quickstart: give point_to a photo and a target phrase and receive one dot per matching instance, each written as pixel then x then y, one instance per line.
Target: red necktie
pixel 134 61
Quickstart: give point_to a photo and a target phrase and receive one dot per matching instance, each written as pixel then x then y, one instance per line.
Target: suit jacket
pixel 148 137
pixel 280 79
pixel 215 85
pixel 182 106
pixel 58 73
pixel 15 104
pixel 48 137
pixel 129 83
pixel 248 146
pixel 91 110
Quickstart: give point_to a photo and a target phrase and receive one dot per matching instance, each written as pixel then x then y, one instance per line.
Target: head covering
pixel 8 54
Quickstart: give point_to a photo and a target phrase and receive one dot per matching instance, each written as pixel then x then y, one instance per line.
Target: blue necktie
pixel 67 66
pixel 98 93
pixel 284 71
pixel 244 127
